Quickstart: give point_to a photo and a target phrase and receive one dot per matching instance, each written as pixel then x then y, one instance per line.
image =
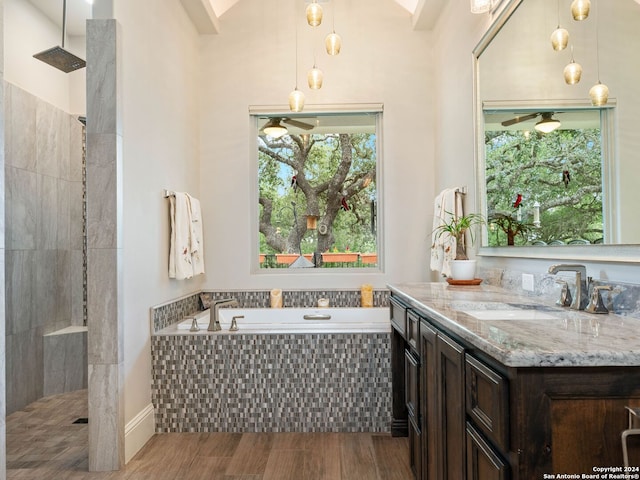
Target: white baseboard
pixel 138 431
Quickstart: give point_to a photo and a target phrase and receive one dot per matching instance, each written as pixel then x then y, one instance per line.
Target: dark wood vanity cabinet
pixel 399 413
pixel 433 374
pixel 471 417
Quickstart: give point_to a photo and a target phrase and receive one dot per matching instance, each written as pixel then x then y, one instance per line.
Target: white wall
pixel 252 62
pixel 455 36
pixel 26 32
pixel 160 150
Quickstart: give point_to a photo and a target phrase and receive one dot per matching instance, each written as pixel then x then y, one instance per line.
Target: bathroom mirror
pixel 519 74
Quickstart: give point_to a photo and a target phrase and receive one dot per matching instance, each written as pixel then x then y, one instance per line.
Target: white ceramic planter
pixel 463 269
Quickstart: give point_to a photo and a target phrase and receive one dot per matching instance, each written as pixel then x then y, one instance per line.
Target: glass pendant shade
pixel 296 100
pixel 580 9
pixel 314 14
pixel 559 39
pixel 333 42
pixel 572 73
pixel 314 78
pixel 480 6
pixel 599 94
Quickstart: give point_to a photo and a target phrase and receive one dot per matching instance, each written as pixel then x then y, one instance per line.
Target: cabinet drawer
pixel 483 463
pixel 412 384
pixel 413 331
pixel 398 312
pixel 487 395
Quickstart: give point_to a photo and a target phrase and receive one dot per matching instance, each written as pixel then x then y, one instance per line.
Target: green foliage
pixel 317 160
pixel 457 227
pixel 532 164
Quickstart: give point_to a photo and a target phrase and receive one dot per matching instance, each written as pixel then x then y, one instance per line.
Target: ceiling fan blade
pixel 297 123
pixel 519 119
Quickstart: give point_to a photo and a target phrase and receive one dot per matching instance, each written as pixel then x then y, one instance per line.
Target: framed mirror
pixel 573 189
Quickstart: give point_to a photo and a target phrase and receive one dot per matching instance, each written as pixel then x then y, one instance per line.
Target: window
pixel 318 190
pixel 544 188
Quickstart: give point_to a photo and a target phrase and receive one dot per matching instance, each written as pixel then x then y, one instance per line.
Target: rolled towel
pixel 366 295
pixel 276 298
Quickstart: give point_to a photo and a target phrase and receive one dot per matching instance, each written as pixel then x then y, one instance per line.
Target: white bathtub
pixel 292 320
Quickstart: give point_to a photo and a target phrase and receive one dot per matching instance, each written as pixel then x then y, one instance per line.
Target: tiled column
pixel 104 249
pixel 3 386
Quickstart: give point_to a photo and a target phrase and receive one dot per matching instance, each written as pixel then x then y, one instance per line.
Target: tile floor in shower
pixel 44 443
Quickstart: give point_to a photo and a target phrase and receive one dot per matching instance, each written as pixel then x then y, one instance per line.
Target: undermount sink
pixel 462 305
pixel 512 314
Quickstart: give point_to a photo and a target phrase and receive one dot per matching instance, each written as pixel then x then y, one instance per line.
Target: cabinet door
pixel 412 385
pixel 482 462
pixel 415 450
pixel 429 402
pixel 399 406
pixel 450 363
pixel 487 401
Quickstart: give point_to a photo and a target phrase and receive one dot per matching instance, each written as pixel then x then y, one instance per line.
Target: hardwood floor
pixel 44 443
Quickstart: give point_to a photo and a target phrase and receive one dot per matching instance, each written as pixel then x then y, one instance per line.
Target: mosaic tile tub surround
pixel 176 310
pixel 272 382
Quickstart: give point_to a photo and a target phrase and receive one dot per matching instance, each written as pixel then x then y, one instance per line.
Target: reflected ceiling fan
pixel 275 129
pixel 546 125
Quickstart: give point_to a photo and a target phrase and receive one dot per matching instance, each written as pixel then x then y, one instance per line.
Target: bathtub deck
pixel 43 444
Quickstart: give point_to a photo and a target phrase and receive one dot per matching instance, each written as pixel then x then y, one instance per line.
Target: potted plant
pixel 461 267
pixel 511 226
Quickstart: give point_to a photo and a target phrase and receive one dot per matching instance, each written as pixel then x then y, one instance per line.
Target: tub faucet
pixel 581 297
pixel 214 321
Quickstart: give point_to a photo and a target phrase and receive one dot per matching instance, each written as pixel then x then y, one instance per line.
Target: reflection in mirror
pixel 544 187
pixel 318 190
pixel 518 73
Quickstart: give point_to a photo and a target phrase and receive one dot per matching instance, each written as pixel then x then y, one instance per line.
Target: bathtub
pixel 292 320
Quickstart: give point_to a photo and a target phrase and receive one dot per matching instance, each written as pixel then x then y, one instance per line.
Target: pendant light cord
pixel 598 43
pixel 296 23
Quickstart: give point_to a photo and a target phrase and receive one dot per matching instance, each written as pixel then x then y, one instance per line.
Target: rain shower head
pixel 59 57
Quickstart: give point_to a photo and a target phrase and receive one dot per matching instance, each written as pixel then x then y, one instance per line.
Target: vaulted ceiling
pixel 423 12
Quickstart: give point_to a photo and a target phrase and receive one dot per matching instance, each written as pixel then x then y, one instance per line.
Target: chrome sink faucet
pixel 581 296
pixel 214 321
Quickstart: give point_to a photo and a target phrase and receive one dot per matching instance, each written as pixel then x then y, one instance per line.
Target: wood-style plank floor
pixel 43 443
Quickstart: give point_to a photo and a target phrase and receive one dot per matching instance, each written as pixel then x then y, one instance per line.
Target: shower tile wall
pixel 43 235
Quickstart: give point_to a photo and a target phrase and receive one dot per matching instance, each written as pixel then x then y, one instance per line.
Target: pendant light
pixel 333 42
pixel 580 9
pixel 314 14
pixel 560 36
pixel 573 71
pixel 296 97
pixel 599 93
pixel 314 78
pixel 548 124
pixel 559 39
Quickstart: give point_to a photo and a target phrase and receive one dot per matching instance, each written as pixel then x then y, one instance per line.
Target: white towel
pixel 447 205
pixel 180 263
pixel 197 244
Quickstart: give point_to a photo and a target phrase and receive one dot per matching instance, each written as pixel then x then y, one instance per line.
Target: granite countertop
pixel 549 336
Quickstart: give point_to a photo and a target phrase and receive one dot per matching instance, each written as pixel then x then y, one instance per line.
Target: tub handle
pixel 317 316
